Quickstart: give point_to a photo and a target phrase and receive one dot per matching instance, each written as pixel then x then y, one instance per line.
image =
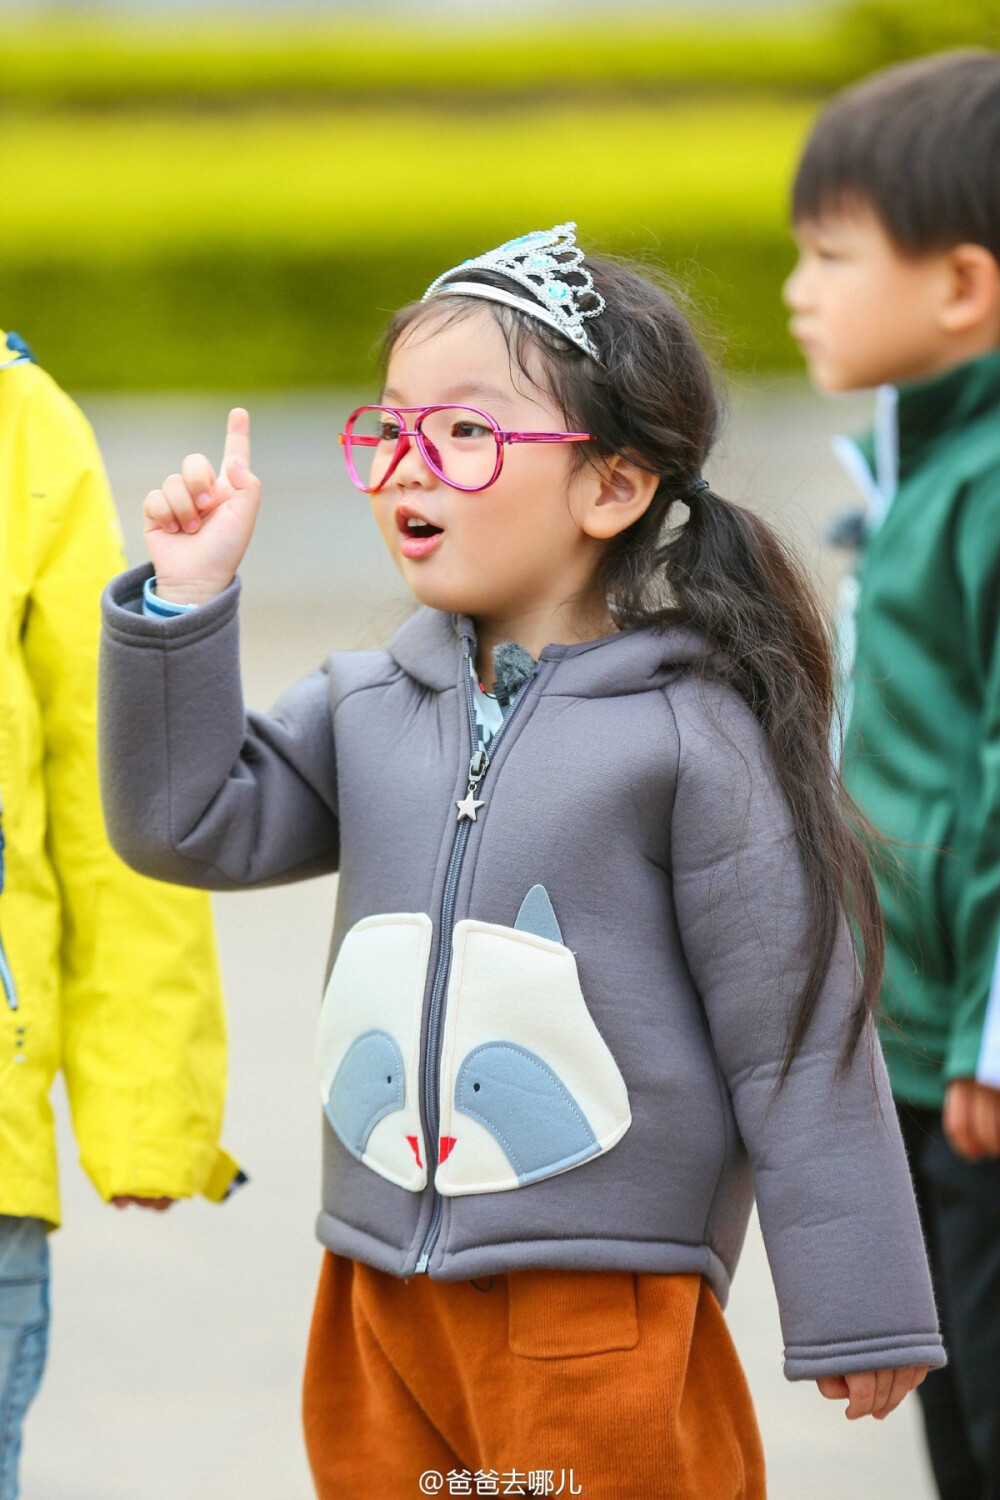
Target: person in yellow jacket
pixel 112 977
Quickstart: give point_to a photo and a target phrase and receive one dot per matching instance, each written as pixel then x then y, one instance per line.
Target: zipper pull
pixel 468 807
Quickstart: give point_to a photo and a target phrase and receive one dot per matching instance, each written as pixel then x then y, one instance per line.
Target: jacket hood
pixel 426 647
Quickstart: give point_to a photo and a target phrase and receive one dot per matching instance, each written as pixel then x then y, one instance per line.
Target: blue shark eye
pixel 476 1087
pixel 388 1078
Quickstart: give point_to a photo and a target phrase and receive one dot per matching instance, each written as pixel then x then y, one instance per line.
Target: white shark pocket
pixel 529 1087
pixel 369 1045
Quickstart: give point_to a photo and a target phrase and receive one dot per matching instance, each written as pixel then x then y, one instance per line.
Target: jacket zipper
pixel 479 764
pixel 6 977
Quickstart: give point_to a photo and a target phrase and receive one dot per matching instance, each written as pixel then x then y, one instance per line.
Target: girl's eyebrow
pixel 474 389
pixel 466 390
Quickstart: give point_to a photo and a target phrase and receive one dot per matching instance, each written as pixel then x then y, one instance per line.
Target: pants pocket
pixel 566 1314
pixel 529 1087
pixel 369 1045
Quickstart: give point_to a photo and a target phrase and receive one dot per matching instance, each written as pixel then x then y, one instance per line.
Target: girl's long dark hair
pixel 724 572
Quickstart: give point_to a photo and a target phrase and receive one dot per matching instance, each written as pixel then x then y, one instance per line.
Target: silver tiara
pixel 548 263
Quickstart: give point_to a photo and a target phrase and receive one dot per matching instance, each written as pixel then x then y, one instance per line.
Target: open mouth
pixel 415 527
pixel 418 536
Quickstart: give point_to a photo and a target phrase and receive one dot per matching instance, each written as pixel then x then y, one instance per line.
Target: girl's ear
pixel 619 493
pixel 973 299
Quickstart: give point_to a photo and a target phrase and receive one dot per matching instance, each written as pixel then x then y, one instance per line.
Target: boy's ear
pixel 973 299
pixel 621 495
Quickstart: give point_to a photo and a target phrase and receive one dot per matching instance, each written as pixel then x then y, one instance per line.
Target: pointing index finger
pixel 237 439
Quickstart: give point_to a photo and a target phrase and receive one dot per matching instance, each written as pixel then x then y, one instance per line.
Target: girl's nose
pixel 412 472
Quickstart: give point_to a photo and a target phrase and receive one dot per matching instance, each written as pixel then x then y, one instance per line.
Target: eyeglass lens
pixel 457 444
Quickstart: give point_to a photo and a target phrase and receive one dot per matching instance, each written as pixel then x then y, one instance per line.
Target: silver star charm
pixel 468 806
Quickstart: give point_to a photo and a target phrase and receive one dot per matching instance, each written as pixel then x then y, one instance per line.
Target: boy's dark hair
pixel 724 572
pixel 920 145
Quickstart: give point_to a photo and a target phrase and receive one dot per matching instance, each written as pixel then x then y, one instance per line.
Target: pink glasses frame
pixel 348 440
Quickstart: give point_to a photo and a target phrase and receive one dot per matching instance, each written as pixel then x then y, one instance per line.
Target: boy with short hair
pixel 896 207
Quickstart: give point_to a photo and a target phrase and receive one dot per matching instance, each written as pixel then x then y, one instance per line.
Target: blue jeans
pixel 24 1333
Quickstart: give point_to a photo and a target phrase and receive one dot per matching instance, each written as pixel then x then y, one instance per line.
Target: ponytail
pixel 734 581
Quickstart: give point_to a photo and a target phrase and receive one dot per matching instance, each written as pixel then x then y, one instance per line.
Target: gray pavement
pixel 177 1341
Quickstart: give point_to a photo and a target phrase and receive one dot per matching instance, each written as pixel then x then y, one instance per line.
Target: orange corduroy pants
pixel 599 1384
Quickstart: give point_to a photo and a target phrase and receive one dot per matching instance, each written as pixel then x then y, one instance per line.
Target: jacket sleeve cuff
pixel 125 622
pixel 962 1060
pixel 987 1064
pixel 161 1167
pixel 974 1043
pixel 226 1175
pixel 811 1361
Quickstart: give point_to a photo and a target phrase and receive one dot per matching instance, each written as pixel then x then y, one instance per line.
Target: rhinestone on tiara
pixel 548 263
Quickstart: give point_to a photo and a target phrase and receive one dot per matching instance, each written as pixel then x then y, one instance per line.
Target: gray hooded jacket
pixel 550 1035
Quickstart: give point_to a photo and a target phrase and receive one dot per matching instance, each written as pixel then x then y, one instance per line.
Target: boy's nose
pixel 795 291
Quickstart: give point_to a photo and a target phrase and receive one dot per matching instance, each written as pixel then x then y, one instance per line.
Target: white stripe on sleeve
pixel 988 1066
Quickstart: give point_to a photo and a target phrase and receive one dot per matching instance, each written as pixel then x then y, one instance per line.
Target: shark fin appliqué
pixel 537 915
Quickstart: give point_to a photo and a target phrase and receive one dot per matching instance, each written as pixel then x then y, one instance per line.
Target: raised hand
pixel 198 524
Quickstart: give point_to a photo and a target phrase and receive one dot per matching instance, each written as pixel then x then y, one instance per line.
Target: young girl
pixel 592 982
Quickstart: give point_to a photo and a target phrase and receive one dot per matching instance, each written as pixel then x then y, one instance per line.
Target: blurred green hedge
pixel 76 59
pixel 149 185
pixel 243 206
pixel 268 249
pixel 265 319
pixel 113 63
pixel 879 32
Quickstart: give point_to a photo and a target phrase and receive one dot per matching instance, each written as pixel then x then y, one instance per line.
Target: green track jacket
pixel 922 751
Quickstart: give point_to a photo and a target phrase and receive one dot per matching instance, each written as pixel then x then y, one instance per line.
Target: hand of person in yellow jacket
pixel 198 524
pixel 972 1118
pixel 158 1205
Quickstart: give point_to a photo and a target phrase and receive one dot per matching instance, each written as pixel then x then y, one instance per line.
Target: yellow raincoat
pixel 110 976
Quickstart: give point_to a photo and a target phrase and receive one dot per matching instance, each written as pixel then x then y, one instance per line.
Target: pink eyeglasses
pixel 460 444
